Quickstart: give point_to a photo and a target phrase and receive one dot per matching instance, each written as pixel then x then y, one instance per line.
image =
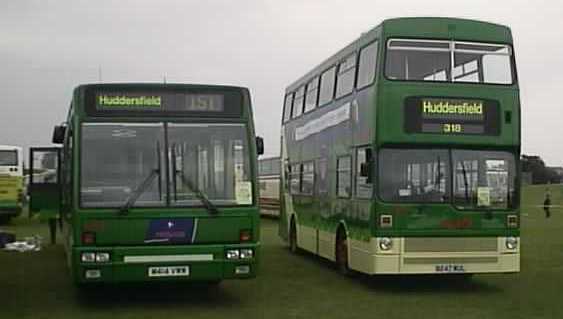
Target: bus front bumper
pixel 440 256
pixel 163 263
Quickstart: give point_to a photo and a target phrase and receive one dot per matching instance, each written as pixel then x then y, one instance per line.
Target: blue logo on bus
pixel 171 230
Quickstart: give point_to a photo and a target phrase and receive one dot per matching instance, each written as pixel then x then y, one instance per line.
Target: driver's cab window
pixel 364 172
pixel 45 167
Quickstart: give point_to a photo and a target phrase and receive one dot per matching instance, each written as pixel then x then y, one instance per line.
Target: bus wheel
pixel 293 237
pixel 342 253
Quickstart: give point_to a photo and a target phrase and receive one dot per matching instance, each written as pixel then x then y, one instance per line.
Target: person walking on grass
pixel 547 205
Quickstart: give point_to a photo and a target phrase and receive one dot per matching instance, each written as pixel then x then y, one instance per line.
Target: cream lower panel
pixel 326 245
pixel 363 257
pixel 307 238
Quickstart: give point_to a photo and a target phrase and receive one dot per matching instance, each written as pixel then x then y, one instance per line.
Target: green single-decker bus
pixel 156 182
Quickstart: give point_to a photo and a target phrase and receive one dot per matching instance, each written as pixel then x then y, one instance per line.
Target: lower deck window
pixel 344 176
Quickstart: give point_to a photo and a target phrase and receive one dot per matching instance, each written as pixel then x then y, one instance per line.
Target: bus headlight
pixel 246 253
pixel 511 243
pixel 102 257
pixel 385 243
pixel 233 254
pixel 88 257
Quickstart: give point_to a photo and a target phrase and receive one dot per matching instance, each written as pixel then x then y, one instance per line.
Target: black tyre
pixel 293 237
pixel 342 253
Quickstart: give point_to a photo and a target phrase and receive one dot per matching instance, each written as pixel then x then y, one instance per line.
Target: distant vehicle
pixel 269 180
pixel 400 152
pixel 11 182
pixel 155 182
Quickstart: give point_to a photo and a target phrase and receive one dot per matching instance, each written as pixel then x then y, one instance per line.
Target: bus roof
pixel 447 29
pixel 125 85
pixel 416 27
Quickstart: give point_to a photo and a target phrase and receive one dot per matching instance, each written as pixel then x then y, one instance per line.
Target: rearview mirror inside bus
pixel 259 145
pixel 59 134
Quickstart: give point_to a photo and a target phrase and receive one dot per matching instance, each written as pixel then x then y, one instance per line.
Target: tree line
pixel 540 174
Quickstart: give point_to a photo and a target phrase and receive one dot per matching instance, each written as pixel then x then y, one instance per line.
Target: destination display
pixel 452 116
pixel 154 103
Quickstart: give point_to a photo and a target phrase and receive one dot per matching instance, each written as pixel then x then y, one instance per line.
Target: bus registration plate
pixel 172 271
pixel 450 268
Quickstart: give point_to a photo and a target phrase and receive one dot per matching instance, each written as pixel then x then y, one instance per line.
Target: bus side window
pixel 368 65
pixel 287 107
pixel 346 76
pixel 298 102
pixel 308 178
pixel 295 179
pixel 364 172
pixel 344 176
pixel 327 86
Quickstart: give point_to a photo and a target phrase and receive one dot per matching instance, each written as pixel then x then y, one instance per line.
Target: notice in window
pixel 483 196
pixel 243 193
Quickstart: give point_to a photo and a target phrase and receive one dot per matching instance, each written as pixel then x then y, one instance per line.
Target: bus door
pixel 44 185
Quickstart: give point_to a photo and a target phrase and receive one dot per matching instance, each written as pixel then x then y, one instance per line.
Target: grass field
pixel 36 285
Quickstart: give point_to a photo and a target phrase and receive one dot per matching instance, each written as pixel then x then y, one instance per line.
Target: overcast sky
pixel 49 47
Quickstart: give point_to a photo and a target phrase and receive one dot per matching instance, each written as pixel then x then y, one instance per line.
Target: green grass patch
pixel 37 285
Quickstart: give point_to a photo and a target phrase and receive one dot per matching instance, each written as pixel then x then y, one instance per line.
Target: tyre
pixel 293 237
pixel 342 253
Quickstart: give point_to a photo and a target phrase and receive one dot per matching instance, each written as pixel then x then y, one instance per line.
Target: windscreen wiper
pixel 139 190
pixel 188 183
pixel 199 194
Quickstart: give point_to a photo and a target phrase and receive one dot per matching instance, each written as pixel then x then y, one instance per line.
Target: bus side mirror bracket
pixel 259 145
pixel 59 134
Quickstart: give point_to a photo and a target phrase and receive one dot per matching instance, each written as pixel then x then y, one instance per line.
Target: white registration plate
pixel 450 268
pixel 170 271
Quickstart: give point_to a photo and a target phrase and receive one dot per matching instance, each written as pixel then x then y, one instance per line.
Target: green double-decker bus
pixel 400 152
pixel 155 182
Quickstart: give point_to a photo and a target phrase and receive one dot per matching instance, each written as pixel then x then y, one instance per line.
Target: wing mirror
pixel 259 145
pixel 59 134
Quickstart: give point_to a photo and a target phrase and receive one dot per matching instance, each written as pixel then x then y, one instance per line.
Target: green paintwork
pixel 124 235
pixel 380 123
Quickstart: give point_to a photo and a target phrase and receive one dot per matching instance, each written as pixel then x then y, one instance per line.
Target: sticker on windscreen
pixel 243 193
pixel 483 196
pixel 171 230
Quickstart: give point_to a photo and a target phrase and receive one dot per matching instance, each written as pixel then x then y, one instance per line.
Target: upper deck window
pixel 482 63
pixel 327 86
pixel 298 102
pixel 312 96
pixel 287 107
pixel 418 60
pixel 448 61
pixel 346 76
pixel 368 64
